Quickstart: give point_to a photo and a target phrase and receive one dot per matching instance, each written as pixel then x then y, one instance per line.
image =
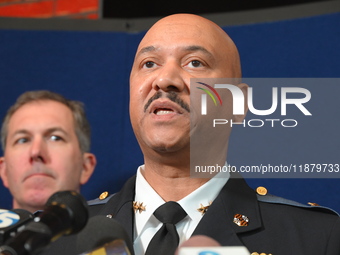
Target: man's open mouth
pixel 162 111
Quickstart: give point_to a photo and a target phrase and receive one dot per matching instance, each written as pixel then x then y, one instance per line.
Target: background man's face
pixel 42 153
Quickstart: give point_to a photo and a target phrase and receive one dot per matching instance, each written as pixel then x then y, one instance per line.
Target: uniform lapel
pixel 120 206
pixel 236 197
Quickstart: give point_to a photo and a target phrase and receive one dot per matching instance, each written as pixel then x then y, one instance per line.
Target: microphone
pixel 204 245
pixel 65 213
pixel 12 222
pixel 103 235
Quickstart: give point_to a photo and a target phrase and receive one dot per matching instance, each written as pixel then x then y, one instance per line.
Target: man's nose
pixel 170 78
pixel 38 150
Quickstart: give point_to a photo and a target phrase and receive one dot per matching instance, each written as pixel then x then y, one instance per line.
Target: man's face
pixel 173 51
pixel 42 154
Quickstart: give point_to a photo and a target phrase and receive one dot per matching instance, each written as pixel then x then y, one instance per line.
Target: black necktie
pixel 166 240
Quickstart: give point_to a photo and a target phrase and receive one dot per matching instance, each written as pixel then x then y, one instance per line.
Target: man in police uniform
pixel 175 49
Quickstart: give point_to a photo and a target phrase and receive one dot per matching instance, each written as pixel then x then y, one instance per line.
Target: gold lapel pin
pixel 104 195
pixel 138 207
pixel 241 220
pixel 262 253
pixel 203 209
pixel 313 204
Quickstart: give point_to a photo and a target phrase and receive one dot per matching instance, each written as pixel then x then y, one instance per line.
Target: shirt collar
pixel 151 200
pixel 145 194
pixel 203 196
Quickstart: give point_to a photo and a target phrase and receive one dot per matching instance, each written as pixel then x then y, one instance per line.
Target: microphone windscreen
pixel 204 245
pixel 99 231
pixel 198 241
pixel 66 212
pixel 75 205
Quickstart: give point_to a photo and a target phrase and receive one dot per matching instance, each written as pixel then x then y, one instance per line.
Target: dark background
pixel 139 9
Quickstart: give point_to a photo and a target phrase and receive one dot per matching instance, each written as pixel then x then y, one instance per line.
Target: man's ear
pixel 3 172
pixel 244 88
pixel 89 164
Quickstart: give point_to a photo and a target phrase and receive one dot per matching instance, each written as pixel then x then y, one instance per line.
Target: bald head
pixel 196 31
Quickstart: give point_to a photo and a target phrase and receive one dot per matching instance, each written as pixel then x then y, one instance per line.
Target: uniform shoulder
pixel 102 199
pixel 265 197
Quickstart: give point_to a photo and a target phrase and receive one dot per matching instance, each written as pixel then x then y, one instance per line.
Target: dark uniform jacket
pixel 275 225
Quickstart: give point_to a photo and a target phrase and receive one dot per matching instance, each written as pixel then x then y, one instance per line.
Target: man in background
pixel 46 142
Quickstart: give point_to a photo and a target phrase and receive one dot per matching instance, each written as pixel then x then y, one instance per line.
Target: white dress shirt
pixel 146 224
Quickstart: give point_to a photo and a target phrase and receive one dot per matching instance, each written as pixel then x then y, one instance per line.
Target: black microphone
pixel 106 234
pixel 12 222
pixel 65 213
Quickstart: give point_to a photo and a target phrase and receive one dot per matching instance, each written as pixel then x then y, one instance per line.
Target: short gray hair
pixel 82 125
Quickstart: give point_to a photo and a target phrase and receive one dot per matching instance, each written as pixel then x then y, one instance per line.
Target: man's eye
pixel 195 63
pixel 149 64
pixel 55 138
pixel 21 140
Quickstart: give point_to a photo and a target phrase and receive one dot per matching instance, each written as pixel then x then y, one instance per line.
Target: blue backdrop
pixel 94 67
